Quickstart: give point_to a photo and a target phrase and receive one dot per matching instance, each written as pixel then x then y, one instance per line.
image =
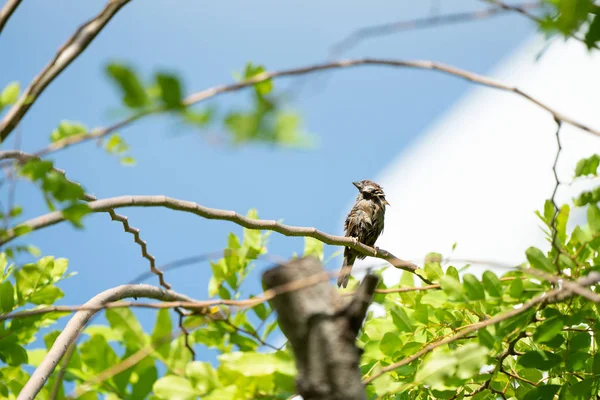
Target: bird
pixel 364 223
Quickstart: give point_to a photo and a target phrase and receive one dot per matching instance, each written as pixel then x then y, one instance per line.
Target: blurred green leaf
pixel 170 91
pixel 9 94
pixel 538 260
pixel 125 78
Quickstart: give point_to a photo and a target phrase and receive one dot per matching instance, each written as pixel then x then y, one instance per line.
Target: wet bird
pixel 364 223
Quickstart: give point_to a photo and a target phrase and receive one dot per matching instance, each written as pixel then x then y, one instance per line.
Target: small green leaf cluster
pixel 569 17
pixel 31 286
pixel 56 188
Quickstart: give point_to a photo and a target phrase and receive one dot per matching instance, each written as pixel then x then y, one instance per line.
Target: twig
pixel 22 157
pixel 420 23
pixel 69 51
pixel 6 11
pixel 217 90
pixel 553 200
pixel 226 215
pixel 550 296
pixel 71 331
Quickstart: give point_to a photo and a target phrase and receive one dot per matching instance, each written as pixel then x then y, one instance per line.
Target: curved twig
pixel 22 157
pixel 6 11
pixel 213 213
pixel 69 51
pixel 418 64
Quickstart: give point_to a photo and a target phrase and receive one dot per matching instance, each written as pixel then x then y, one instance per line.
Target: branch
pixel 420 23
pixel 23 157
pixel 217 90
pixel 69 51
pixel 78 321
pixel 554 295
pixel 6 11
pixel 213 213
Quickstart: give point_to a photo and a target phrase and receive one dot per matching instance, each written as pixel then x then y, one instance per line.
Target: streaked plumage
pixel 364 222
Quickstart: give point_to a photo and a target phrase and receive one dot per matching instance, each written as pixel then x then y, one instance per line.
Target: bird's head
pixel 370 190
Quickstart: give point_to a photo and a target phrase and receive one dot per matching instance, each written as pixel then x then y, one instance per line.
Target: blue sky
pixel 364 117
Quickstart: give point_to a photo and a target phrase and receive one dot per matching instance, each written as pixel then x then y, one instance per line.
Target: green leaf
pixel 124 321
pixel 170 91
pixel 473 287
pixel 588 197
pixel 133 92
pixel 593 215
pixel 492 284
pixel 538 260
pixel 313 247
pixel 7 297
pixel 162 332
pixel 548 329
pixel 516 288
pixel 577 361
pixel 390 344
pixel 583 388
pixel 75 213
pixel 9 94
pixel 262 88
pixel 543 360
pixel 471 357
pixel 433 271
pixel 202 375
pixel 437 366
pixel 116 145
pixel 67 129
pixel 13 354
pixel 46 295
pixel 453 272
pixel 592 37
pixel 452 287
pixel 97 355
pixel 588 166
pixel 542 392
pixel 173 387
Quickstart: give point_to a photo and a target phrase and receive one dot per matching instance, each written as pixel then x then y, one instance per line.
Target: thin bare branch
pixel 418 64
pixel 212 213
pixel 6 11
pixel 69 51
pixel 361 34
pixel 550 296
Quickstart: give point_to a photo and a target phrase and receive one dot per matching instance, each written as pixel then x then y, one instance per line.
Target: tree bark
pixel 321 328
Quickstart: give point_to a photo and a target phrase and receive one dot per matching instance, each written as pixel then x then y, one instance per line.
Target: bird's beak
pixel 386 202
pixel 357 184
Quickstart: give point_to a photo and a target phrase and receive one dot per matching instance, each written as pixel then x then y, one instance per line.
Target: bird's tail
pixel 344 275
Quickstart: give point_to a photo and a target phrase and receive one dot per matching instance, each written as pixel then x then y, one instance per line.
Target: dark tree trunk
pixel 321 327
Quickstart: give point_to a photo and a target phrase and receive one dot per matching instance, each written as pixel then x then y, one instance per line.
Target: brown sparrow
pixel 364 223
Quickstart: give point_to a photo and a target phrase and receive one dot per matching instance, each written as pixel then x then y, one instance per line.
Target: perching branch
pixel 217 90
pixel 69 51
pixel 551 296
pixel 6 11
pixel 322 330
pixel 23 157
pixel 213 213
pixel 78 322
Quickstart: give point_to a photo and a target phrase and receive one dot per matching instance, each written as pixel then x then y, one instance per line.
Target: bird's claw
pixel 376 250
pixel 355 240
